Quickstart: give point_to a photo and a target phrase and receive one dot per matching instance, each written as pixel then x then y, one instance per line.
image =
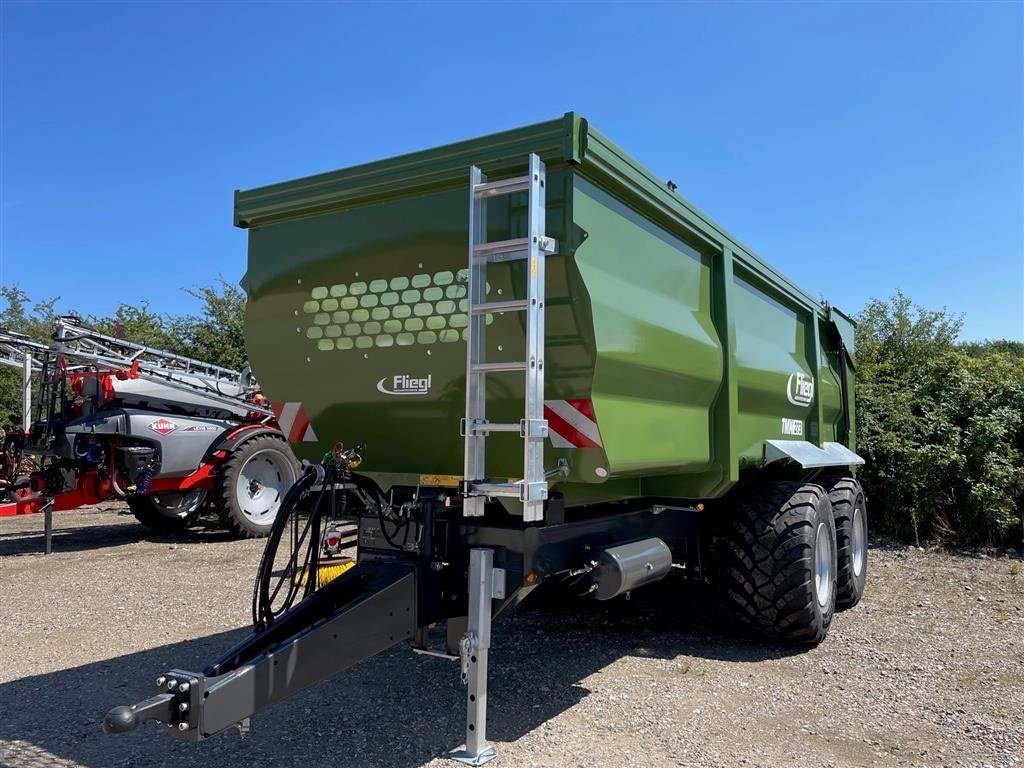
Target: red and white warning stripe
pixel 294 422
pixel 571 424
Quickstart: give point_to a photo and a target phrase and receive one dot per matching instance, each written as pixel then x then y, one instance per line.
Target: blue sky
pixel 861 148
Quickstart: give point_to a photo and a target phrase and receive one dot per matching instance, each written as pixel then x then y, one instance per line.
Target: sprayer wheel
pixel 252 483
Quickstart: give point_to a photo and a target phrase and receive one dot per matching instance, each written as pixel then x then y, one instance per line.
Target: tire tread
pixel 769 572
pixel 843 493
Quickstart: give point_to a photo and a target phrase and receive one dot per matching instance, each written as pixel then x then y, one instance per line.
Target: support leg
pixel 473 650
pixel 48 524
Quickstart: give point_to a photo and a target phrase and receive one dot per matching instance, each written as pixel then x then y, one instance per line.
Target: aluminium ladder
pixel 532 490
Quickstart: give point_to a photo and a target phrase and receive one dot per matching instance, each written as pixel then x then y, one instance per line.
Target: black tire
pixel 276 463
pixel 771 559
pixel 851 515
pixel 167 511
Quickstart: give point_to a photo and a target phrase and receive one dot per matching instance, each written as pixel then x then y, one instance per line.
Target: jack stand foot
pixel 473 653
pixel 465 756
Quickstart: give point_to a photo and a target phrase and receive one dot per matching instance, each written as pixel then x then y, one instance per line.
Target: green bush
pixel 941 427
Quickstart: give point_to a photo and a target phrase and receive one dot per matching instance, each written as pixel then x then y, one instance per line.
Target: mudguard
pixel 230 441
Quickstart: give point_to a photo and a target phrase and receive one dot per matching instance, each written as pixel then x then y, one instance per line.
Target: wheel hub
pixel 262 482
pixel 859 541
pixel 823 565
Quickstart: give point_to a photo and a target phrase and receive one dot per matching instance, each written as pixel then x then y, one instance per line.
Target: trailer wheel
pixel 780 562
pixel 168 510
pixel 851 515
pixel 252 484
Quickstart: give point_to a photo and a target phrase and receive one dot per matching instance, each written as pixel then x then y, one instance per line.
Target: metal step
pixel 502 246
pixel 510 365
pixel 502 187
pixel 498 489
pixel 532 492
pixel 514 305
pixel 517 248
pixel 529 428
pixel 492 426
pixel 501 258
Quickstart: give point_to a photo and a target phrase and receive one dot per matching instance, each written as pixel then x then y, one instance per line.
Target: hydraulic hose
pixel 277 588
pixel 263 613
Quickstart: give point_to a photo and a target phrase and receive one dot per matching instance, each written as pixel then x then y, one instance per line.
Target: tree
pixel 214 334
pixel 138 324
pixel 983 348
pixel 37 323
pixel 217 333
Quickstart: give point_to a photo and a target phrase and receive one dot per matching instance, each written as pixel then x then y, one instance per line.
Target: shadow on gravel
pixel 84 538
pixel 397 709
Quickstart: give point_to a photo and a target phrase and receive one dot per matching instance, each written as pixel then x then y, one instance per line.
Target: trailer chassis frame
pixel 384 601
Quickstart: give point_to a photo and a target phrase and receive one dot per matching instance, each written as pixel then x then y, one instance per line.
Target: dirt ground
pixel 927 671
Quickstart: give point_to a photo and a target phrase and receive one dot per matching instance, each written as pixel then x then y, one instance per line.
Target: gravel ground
pixel 927 671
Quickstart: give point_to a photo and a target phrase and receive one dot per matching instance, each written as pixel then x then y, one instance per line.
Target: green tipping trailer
pixel 570 376
pixel 674 354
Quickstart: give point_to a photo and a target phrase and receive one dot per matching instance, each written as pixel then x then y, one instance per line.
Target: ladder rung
pixel 518 248
pixel 498 258
pixel 530 429
pixel 537 491
pixel 515 305
pixel 495 427
pixel 502 187
pixel 496 489
pixel 511 365
pixel 502 246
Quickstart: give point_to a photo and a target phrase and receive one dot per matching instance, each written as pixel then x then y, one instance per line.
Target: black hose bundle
pixel 263 597
pixel 275 591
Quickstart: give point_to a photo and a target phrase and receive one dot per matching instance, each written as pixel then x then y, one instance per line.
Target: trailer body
pixel 674 354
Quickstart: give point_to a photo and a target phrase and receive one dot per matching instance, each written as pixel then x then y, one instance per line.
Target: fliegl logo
pixel 404 384
pixel 800 389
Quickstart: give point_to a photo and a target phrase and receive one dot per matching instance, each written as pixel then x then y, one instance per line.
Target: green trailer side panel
pixel 659 359
pixel 337 302
pixel 771 356
pixel 830 391
pixel 692 351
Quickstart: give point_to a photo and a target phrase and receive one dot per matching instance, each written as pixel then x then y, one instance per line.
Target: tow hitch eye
pixel 179 692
